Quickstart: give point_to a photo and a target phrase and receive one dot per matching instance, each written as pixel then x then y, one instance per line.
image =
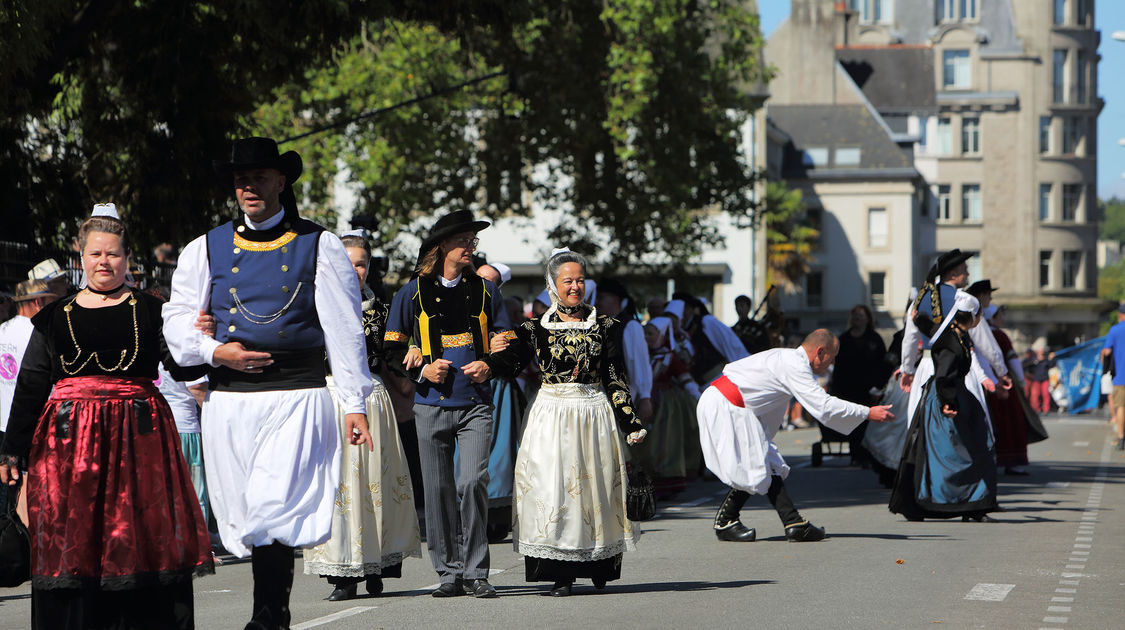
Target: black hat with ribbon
pixel 948 261
pixel 980 287
pixel 455 222
pixel 251 153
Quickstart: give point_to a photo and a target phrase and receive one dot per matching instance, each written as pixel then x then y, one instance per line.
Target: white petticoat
pixel 374 524
pixel 922 375
pixel 569 491
pixel 273 461
pixel 735 446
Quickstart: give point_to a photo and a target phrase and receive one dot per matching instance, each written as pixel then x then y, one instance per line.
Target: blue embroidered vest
pixel 262 291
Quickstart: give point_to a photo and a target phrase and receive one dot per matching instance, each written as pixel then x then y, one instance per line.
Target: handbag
pixel 15 545
pixel 640 497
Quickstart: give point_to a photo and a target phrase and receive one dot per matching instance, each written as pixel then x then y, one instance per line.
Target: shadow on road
pixel 647 587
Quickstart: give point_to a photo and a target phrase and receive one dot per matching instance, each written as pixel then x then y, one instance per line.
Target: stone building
pixel 996 103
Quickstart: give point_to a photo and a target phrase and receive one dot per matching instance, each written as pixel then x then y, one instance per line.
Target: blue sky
pixel 1109 16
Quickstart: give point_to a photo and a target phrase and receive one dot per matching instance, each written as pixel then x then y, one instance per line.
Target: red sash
pixel 729 391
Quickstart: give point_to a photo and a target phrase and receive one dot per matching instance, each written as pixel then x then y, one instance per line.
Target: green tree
pixel 790 241
pixel 1112 225
pixel 624 114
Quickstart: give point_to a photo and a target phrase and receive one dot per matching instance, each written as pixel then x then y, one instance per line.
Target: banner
pixel 1080 369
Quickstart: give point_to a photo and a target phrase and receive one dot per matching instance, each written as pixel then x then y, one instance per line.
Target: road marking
pixel 224 590
pixel 1054 620
pixel 1066 590
pixel 1058 609
pixel 1081 443
pixel 990 592
pixel 327 619
pixel 1063 600
pixel 1058 484
pixel 1075 566
pixel 1069 583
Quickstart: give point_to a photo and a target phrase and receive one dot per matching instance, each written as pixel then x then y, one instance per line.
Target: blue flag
pixel 1080 369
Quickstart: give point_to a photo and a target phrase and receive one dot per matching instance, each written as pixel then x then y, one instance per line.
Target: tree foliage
pixel 1112 225
pixel 790 241
pixel 625 116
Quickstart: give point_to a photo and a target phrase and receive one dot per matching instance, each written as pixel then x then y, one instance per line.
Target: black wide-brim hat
pixel 250 153
pixel 455 222
pixel 948 261
pixel 980 287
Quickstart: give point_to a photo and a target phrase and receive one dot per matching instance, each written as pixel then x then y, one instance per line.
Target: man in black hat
pixel 450 313
pixel 273 283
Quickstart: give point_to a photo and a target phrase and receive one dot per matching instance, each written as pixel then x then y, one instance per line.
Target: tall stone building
pixel 996 103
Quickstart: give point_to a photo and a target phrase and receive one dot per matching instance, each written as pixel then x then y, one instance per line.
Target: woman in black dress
pixel 570 481
pixel 860 367
pixel 948 466
pixel 116 530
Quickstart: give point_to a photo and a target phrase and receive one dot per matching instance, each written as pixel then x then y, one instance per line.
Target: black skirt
pixel 544 570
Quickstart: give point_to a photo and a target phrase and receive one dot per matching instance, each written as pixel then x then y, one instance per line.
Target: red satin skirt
pixel 110 500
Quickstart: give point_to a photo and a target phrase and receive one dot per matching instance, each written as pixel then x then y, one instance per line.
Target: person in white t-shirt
pixel 30 297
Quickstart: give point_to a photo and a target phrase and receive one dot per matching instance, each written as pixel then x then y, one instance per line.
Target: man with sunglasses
pixel 449 313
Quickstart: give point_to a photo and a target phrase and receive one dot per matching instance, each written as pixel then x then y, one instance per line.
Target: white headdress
pixel 551 290
pixel 965 303
pixel 675 307
pixel 105 210
pixel 663 325
pixel 360 233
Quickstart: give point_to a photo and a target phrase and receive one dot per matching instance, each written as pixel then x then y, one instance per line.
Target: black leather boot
pixel 727 525
pixel 272 566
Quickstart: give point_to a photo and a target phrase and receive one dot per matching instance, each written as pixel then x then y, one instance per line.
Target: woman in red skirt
pixel 116 531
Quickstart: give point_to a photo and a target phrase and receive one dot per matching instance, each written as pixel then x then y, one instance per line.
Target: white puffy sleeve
pixel 191 293
pixel 835 413
pixel 637 365
pixel 338 307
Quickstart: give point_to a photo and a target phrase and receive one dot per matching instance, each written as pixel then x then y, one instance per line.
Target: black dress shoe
pixel 449 589
pixel 978 518
pixel 374 585
pixel 736 532
pixel 1120 444
pixel 342 592
pixel 1016 470
pixel 599 583
pixel 804 532
pixel 479 588
pixel 562 588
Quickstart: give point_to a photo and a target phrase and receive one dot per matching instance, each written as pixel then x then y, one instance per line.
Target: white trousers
pixel 273 463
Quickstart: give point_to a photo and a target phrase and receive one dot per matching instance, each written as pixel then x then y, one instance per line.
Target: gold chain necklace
pixel 121 365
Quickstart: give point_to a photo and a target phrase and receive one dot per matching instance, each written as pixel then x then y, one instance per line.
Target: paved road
pixel 1055 560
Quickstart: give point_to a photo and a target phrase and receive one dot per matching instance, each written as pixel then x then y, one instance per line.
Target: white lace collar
pixel 449 284
pixel 545 320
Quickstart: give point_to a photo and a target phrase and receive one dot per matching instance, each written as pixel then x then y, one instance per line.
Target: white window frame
pixel 970 135
pixel 958 10
pixel 1044 135
pixel 1045 208
pixel 1059 83
pixel 944 196
pixel 878 228
pixel 817 300
pixel 878 300
pixel 1046 264
pixel 945 136
pixel 1072 269
pixel 956 69
pixel 971 210
pixel 1071 202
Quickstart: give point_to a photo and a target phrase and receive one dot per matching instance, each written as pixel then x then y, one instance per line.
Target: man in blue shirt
pixel 450 313
pixel 1115 346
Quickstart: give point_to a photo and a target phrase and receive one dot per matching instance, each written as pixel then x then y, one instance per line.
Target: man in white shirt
pixel 743 409
pixel 30 297
pixel 283 293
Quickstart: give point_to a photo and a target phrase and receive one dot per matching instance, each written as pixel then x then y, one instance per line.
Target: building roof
pixel 838 140
pixel 892 78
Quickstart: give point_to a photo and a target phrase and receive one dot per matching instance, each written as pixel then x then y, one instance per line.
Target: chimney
pixel 844 24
